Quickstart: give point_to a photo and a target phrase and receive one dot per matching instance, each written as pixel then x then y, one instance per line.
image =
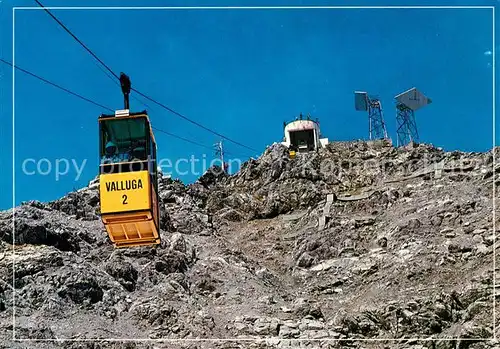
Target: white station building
pixel 304 136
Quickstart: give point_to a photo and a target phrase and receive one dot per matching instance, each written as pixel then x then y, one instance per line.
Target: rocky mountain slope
pixel 351 246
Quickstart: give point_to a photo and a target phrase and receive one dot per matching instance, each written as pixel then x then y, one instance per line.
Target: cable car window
pixel 124 140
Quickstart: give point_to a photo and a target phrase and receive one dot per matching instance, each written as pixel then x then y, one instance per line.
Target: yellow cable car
pixel 128 179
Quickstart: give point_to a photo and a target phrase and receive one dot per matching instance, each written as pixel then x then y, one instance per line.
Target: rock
pixel 84 289
pixel 177 243
pixel 273 342
pixel 414 224
pixel 478 231
pixel 334 334
pixel 124 272
pixel 305 260
pixel 367 328
pixel 481 249
pixel 460 245
pixel 446 231
pixel 436 220
pixel 468 229
pixel 477 239
pixel 242 328
pixel 40 231
pixel 442 311
pixel 266 326
pixel 230 214
pixel 471 331
pixel 363 221
pixel 172 262
pixel 450 235
pixel 382 242
pixel 407 314
pixel 474 309
pixel 488 240
pixel 265 274
pixel 319 334
pixel 413 306
pixel 287 332
pixel 291 324
pixel 302 308
pixel 212 176
pixel 315 325
pixel 267 300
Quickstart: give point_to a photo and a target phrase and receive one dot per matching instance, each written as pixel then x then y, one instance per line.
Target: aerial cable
pixel 78 40
pixel 181 138
pixel 95 103
pixel 191 121
pixel 56 85
pixel 118 84
pixel 135 90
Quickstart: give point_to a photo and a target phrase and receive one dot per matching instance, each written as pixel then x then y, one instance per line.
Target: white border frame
pixel 262 339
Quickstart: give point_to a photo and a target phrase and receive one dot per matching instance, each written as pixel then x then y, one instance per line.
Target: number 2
pixel 124 197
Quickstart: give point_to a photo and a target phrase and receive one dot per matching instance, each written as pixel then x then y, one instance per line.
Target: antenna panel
pixel 360 101
pixel 413 99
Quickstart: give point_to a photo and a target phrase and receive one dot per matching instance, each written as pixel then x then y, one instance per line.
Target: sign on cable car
pixel 125 192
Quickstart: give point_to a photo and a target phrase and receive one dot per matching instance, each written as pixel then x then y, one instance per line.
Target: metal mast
pixel 406 105
pixel 219 151
pixel 372 105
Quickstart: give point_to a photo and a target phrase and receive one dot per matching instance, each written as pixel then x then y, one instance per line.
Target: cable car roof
pixel 104 116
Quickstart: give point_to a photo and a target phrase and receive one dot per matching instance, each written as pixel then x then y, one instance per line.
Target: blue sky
pixel 239 72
